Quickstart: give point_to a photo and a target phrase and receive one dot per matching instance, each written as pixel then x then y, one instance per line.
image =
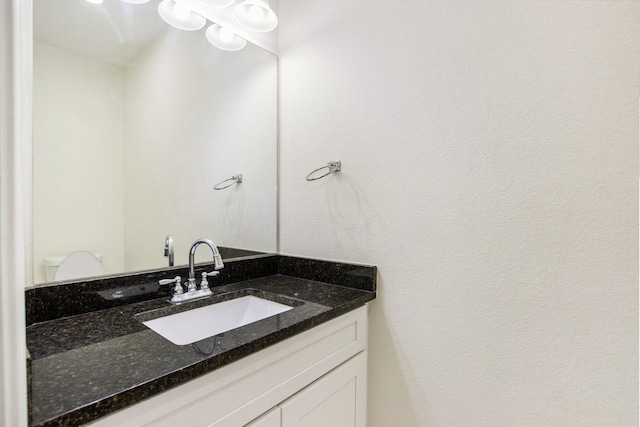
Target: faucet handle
pixel 204 284
pixel 177 290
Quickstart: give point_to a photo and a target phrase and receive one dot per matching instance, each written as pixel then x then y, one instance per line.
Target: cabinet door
pixel 270 419
pixel 338 399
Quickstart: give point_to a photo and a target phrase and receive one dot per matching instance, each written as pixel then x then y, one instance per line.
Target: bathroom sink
pixel 199 323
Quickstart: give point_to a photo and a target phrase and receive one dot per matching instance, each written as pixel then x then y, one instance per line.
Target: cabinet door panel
pixel 270 419
pixel 338 399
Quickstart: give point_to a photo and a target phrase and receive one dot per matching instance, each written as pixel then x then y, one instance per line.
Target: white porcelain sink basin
pixel 200 323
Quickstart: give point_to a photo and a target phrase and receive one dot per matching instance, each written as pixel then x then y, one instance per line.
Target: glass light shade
pixel 256 15
pixel 95 1
pixel 135 1
pixel 224 38
pixel 181 10
pixel 189 21
pixel 215 3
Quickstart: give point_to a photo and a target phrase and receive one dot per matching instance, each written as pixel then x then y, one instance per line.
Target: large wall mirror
pixel 134 123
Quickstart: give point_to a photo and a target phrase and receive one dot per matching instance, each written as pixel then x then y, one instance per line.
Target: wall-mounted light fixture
pixel 224 38
pixel 256 15
pixel 253 15
pixel 177 13
pixel 215 3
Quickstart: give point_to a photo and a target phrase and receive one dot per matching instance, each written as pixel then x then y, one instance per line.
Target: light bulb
pixel 179 15
pixel 255 13
pixel 226 35
pixel 224 38
pixel 182 10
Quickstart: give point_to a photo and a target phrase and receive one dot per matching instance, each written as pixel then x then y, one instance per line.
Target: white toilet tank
pixel 76 265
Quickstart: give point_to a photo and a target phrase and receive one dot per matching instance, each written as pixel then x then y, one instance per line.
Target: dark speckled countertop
pixel 91 364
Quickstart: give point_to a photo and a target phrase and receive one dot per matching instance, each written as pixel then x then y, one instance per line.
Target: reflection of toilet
pixel 74 266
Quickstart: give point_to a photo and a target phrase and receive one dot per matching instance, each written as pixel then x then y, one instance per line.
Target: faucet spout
pixel 217 259
pixel 193 292
pixel 168 249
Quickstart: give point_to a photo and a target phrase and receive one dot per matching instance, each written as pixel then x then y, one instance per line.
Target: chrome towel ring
pixel 235 179
pixel 331 167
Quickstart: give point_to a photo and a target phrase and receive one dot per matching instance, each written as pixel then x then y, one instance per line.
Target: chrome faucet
pixel 168 249
pixel 192 289
pixel 217 261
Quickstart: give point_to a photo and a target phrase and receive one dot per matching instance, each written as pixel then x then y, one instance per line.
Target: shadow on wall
pixel 391 381
pixel 349 213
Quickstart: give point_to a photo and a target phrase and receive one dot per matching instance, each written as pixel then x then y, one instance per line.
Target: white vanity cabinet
pixel 273 418
pixel 315 378
pixel 338 399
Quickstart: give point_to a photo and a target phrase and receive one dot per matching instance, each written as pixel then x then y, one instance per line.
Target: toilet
pixel 76 265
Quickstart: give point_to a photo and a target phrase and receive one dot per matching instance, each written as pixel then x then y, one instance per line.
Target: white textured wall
pixel 77 158
pixel 490 170
pixel 196 115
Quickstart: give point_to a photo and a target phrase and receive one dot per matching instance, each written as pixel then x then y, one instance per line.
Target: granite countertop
pixel 91 364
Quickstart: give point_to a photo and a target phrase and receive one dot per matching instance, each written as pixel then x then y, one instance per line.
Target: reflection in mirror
pixel 134 123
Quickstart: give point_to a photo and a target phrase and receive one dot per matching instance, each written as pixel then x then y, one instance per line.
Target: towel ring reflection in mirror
pixel 331 167
pixel 236 179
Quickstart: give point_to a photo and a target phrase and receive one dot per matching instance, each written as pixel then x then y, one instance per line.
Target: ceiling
pixel 112 32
